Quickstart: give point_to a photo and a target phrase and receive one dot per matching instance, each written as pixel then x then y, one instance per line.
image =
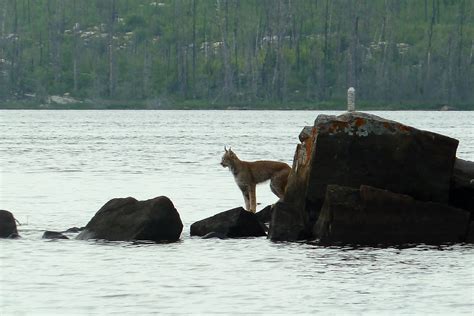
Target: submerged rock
pixel 214 235
pixel 128 219
pixel 53 235
pixel 7 225
pixel 234 223
pixel 373 216
pixel 355 149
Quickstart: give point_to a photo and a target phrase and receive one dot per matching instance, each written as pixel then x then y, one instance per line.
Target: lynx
pixel 248 174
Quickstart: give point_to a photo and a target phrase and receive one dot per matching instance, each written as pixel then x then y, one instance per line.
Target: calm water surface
pixel 59 167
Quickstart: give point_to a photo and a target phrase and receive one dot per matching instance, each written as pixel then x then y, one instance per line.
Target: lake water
pixel 59 167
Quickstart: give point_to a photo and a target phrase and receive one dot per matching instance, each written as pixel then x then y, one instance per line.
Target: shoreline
pixel 201 105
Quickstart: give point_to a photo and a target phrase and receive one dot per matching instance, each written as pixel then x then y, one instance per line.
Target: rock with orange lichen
pixel 356 149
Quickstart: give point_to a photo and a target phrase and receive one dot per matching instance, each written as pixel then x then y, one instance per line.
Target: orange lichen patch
pixel 309 147
pixel 404 128
pixel 337 126
pixel 359 122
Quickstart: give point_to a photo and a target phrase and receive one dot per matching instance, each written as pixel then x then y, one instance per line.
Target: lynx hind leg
pixel 276 189
pixel 278 184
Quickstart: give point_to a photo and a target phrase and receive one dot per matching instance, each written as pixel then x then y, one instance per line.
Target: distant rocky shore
pixel 68 102
pixel 356 179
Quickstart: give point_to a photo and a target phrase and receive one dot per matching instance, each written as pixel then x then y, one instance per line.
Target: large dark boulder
pixel 462 186
pixel 374 216
pixel 357 148
pixel 7 225
pixel 128 219
pixel 234 223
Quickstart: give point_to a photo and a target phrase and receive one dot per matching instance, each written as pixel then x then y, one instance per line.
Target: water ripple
pixel 59 167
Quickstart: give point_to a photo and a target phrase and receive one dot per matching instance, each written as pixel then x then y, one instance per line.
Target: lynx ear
pixel 225 148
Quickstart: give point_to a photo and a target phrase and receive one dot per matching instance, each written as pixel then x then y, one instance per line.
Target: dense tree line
pixel 238 51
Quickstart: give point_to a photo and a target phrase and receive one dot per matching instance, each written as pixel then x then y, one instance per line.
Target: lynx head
pixel 228 157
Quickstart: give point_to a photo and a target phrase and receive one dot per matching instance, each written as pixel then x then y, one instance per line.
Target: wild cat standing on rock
pixel 248 174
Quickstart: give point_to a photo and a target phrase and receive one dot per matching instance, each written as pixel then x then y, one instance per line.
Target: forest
pixel 262 54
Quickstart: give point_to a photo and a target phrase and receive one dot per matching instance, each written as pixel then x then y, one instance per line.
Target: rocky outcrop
pixel 462 186
pixel 356 149
pixel 7 225
pixel 234 223
pixel 128 219
pixel 373 216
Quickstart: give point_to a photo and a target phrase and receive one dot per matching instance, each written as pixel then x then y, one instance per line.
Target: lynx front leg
pixel 253 198
pixel 246 195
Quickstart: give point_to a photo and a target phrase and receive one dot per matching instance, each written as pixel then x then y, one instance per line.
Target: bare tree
pixel 111 47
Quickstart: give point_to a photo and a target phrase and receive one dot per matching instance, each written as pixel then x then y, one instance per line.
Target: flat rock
pixel 127 219
pixel 374 216
pixel 234 223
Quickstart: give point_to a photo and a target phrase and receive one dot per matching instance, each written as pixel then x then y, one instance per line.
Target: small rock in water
pixel 53 235
pixel 7 225
pixel 74 230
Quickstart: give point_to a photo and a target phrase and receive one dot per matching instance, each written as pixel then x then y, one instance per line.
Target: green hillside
pixel 407 54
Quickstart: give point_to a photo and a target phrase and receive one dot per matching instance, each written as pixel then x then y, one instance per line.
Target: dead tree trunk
pixel 112 75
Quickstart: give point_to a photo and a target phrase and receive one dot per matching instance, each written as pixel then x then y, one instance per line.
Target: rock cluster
pixel 356 179
pixel 357 172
